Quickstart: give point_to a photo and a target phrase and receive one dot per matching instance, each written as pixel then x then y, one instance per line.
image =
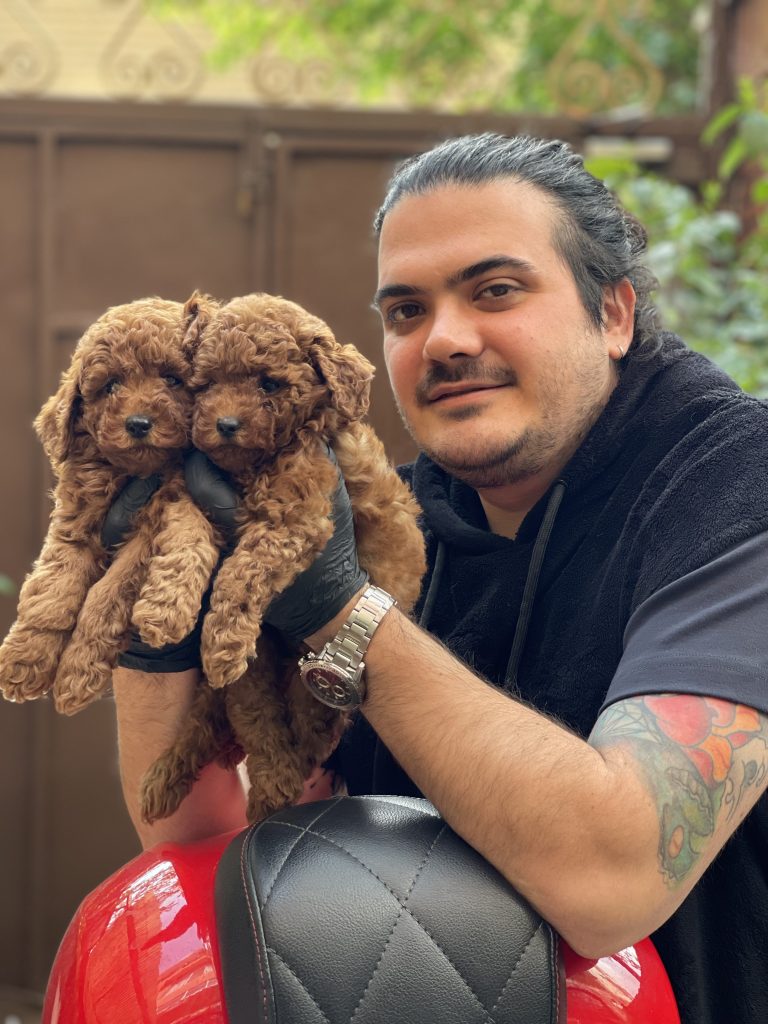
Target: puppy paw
pixel 158 627
pixel 160 796
pixel 226 649
pixel 79 683
pixel 28 666
pixel 221 668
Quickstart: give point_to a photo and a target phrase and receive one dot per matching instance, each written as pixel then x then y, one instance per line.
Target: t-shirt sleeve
pixel 706 633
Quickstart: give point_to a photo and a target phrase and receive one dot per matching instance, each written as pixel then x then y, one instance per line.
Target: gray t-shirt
pixel 706 633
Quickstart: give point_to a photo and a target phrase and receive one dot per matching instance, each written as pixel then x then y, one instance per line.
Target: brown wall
pixel 100 204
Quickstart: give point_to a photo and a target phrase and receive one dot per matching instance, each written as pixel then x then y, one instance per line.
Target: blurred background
pixel 151 148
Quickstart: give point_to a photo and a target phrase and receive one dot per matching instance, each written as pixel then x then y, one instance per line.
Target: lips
pixel 464 388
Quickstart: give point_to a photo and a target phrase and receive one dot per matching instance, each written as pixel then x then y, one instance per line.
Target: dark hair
pixel 598 239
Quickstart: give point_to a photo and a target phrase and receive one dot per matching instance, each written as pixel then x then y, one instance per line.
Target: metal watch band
pixel 345 652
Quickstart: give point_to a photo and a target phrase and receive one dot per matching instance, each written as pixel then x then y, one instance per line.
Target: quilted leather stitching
pixel 303 829
pixel 553 973
pixel 516 965
pixel 254 930
pixel 294 975
pixel 419 869
pixel 435 943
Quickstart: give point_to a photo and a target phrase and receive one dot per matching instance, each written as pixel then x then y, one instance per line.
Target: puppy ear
pixel 198 310
pixel 347 373
pixel 55 423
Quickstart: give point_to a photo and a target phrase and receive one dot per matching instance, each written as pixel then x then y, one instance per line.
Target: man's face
pixel 496 368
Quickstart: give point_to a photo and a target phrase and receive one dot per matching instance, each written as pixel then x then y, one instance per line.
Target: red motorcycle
pixel 363 909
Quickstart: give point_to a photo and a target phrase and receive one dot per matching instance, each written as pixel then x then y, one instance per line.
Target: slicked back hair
pixel 598 239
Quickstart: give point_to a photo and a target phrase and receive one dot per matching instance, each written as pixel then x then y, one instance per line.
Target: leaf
pixel 723 119
pixel 735 154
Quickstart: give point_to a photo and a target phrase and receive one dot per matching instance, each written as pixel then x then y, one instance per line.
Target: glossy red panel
pixel 630 987
pixel 142 949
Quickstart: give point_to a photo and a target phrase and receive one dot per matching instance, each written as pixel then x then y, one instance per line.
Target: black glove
pixel 117 526
pixel 321 591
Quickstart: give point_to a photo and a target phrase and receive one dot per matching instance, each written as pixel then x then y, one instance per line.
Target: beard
pixel 496 465
pixel 493 460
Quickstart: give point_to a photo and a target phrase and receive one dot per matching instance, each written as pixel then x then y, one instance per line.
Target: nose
pixel 452 333
pixel 138 426
pixel 228 426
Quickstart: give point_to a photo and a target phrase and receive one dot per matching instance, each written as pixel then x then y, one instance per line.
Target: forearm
pixel 567 827
pixel 150 712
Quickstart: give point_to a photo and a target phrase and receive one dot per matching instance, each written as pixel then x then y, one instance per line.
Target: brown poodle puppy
pixel 123 409
pixel 274 390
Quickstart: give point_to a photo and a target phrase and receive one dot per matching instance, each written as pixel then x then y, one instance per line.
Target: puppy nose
pixel 228 426
pixel 138 426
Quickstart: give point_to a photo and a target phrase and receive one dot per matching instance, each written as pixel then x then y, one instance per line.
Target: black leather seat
pixel 371 909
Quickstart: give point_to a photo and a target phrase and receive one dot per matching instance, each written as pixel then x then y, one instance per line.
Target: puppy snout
pixel 228 426
pixel 138 426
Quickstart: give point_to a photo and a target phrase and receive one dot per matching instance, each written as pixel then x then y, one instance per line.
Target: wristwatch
pixel 335 675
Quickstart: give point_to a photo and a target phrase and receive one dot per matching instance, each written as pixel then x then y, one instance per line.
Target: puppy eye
pixel 269 385
pixel 112 385
pixel 171 381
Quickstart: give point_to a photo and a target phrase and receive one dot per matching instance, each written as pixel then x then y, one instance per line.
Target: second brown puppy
pixel 274 390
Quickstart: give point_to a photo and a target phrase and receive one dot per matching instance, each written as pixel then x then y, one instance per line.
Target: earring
pixel 621 354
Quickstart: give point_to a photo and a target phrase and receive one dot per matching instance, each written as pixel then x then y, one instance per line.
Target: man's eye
pixel 269 385
pixel 405 311
pixel 112 385
pixel 171 381
pixel 498 290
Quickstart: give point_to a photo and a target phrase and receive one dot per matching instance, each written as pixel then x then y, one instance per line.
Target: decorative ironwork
pixel 281 81
pixel 581 86
pixel 133 67
pixel 28 58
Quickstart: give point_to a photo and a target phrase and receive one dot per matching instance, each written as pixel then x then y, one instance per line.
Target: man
pixel 594 500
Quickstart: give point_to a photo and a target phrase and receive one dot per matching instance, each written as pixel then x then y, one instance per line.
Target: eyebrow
pixel 500 262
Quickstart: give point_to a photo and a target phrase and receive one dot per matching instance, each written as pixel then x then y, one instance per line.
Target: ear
pixel 198 311
pixel 619 314
pixel 56 421
pixel 347 373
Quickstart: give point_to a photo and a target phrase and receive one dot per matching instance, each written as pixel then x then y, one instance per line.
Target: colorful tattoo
pixel 701 755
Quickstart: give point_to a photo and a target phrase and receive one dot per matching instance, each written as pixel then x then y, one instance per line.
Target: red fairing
pixel 142 949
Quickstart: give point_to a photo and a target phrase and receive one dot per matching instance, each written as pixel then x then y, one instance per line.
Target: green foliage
pixel 493 55
pixel 713 280
pixel 7 588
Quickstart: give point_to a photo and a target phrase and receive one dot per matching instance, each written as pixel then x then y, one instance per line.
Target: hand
pixel 117 526
pixel 123 510
pixel 321 591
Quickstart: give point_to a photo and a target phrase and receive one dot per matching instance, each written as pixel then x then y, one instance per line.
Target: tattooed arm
pixel 575 826
pixel 705 762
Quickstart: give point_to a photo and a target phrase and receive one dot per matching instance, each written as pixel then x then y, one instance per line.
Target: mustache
pixel 469 369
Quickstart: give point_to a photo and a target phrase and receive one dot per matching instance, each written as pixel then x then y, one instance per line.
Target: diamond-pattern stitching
pixel 408 937
pixel 284 962
pixel 419 869
pixel 305 830
pixel 517 963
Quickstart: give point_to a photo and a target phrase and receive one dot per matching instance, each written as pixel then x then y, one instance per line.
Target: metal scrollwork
pixel 282 81
pixel 581 86
pixel 28 58
pixel 136 68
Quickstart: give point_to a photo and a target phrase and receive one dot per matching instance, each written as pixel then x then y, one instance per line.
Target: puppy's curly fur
pixel 123 409
pixel 274 390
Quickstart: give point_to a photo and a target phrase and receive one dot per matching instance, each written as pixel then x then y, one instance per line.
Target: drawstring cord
pixel 531 583
pixel 382 757
pixel 434 586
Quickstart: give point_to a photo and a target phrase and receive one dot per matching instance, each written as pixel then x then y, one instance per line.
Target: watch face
pixel 331 685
